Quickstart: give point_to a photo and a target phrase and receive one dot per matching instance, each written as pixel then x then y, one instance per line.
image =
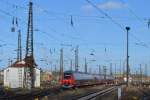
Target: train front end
pixel 67 80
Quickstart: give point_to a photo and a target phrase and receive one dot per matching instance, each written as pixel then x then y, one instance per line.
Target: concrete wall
pixel 37 77
pixel 1 77
pixel 14 77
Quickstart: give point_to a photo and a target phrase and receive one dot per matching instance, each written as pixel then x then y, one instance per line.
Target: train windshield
pixel 67 75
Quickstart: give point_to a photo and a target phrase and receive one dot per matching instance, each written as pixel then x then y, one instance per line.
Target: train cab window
pixel 67 77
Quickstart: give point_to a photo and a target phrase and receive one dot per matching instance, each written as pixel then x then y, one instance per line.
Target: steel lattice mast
pixel 29 42
pixel 19 50
pixel 76 59
pixel 29 57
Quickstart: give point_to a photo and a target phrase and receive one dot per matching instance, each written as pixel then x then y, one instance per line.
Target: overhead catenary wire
pixel 46 11
pixel 39 30
pixel 132 12
pixel 113 21
pixel 53 30
pixel 106 16
pixel 71 25
pixel 64 14
pixel 68 15
pixel 13 5
pixel 137 17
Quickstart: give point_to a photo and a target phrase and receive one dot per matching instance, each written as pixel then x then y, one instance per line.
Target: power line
pixel 53 30
pixel 112 20
pixel 47 34
pixel 68 15
pixel 46 11
pixel 105 14
pixel 13 5
pixel 132 12
pixel 50 13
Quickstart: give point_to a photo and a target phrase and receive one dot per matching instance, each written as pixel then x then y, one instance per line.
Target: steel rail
pixel 96 94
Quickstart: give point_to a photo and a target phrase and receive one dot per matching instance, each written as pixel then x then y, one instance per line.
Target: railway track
pixel 30 95
pixel 92 96
pixel 36 94
pixel 146 94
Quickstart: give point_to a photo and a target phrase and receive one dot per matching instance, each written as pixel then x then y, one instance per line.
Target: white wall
pixel 37 78
pixel 13 78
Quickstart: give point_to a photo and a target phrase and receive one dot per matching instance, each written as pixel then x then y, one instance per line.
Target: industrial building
pixel 24 73
pixel 1 77
pixel 46 76
pixel 14 76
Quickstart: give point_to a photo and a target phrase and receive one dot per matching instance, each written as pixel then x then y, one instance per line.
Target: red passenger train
pixel 73 79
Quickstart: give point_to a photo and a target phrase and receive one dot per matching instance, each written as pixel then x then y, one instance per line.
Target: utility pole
pixel 100 70
pixel 71 64
pixel 105 71
pixel 111 69
pixel 127 65
pixel 145 71
pixel 141 73
pixel 124 72
pixel 85 66
pixel 115 70
pixel 76 59
pixel 61 64
pixel 136 75
pixel 90 70
pixel 55 70
pixel 51 66
pixel 120 69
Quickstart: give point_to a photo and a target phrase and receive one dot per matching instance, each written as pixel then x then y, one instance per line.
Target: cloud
pixel 111 5
pixel 106 5
pixel 87 8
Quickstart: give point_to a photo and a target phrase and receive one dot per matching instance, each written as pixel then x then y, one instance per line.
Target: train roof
pixel 69 71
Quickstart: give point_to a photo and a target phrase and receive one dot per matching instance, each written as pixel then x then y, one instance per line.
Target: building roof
pixel 19 64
